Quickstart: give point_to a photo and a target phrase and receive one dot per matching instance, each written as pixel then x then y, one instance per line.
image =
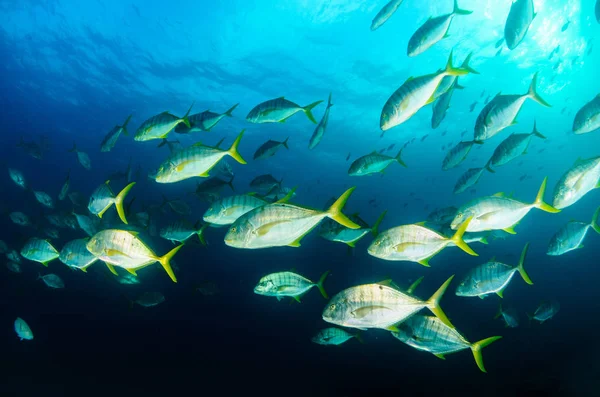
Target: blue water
pixel 71 71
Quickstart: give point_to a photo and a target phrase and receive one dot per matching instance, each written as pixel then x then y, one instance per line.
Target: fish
pixel 207 288
pixel 442 216
pixel 468 179
pixel 348 156
pixel 333 336
pixel 87 224
pixel 432 31
pixel 458 154
pixel 509 316
pixel 150 299
pixel 174 146
pixel 13 267
pixel 278 110
pixel 565 26
pixel 227 210
pixel 128 279
pixel 159 126
pixel 430 334
pixel 276 192
pixel 513 146
pixel 415 243
pixel 204 121
pixel 64 190
pixel 32 149
pixel 414 94
pixel 319 132
pixel 385 13
pixel 3 247
pixel 576 182
pixel 125 249
pixel 570 237
pixel 44 199
pixel 282 224
pixel 51 232
pixel 82 157
pixel 499 212
pixel 587 118
pixel 17 177
pixel 499 43
pixel 76 255
pixel 23 330
pixel 110 140
pixel 545 311
pixel 333 231
pixel 502 111
pixel 14 256
pixel 440 107
pixel 269 148
pixel 472 107
pixel 492 277
pixel 19 218
pixel 518 21
pixel 39 250
pixel 380 305
pixel 103 198
pixel 597 10
pixel 196 161
pixel 391 146
pixel 374 163
pixel 52 280
pixel 288 284
pixel 265 182
pixel 182 230
pixel 178 206
pixel 77 199
pixel 451 82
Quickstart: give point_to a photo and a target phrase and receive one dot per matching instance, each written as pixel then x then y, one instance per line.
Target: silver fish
pixel 82 157
pixel 269 148
pixel 587 118
pixel 204 121
pixel 278 110
pixel 545 311
pixel 113 135
pixel 458 154
pixel 385 13
pixel 513 146
pixel 517 24
pixel 571 236
pixel 580 179
pixel 334 336
pixel 319 132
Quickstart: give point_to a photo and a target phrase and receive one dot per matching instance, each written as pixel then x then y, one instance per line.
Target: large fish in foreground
pixel 281 224
pixel 124 249
pixel 103 198
pixel 414 94
pixel 380 305
pixel 571 236
pixel 113 135
pixel 430 334
pixel 517 24
pixel 499 212
pixel 580 179
pixel 492 278
pixel 374 163
pixel 159 126
pixel 502 111
pixel 278 110
pixel 195 161
pixel 513 146
pixel 385 13
pixel 432 31
pixel 317 135
pixel 288 284
pixel 587 118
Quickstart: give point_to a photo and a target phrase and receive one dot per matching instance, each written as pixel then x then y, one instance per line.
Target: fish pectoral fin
pixel 488 216
pixel 404 246
pixel 500 293
pixel 510 229
pixel 132 271
pixel 440 356
pixel 365 311
pixel 181 166
pixel 204 175
pixel 264 229
pixel 114 252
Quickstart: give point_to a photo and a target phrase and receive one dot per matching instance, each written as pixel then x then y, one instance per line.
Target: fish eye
pixel 332 307
pixel 233 229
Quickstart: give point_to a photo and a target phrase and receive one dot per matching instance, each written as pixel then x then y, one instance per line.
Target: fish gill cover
pixel 292 126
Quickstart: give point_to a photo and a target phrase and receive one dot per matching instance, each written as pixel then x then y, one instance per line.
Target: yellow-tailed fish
pixel 103 198
pixel 110 140
pixel 278 110
pixel 385 13
pixel 82 157
pixel 587 118
pixel 204 121
pixel 333 231
pixel 288 284
pixel 571 236
pixel 580 179
pixel 513 146
pixel 76 255
pixel 374 163
pixel 458 154
pixel 469 178
pixel 159 126
pixel 518 21
pixel 39 250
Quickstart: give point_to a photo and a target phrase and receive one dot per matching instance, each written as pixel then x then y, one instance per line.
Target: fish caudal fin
pixel 335 211
pixel 284 143
pixel 233 150
pixel 375 228
pixel 533 92
pixel 308 111
pixel 458 238
pixel 459 11
pixel 451 70
pixel 488 167
pixel 520 267
pixel 434 303
pixel 594 223
pixel 359 337
pixel 536 132
pixel 399 158
pixel 165 261
pixel 124 126
pixel 329 104
pixel 320 284
pixel 287 197
pixel 414 285
pixel 231 109
pixel 465 65
pixel 200 233
pixel 185 118
pixel 476 349
pixel 539 200
pixel 499 312
pixel 119 202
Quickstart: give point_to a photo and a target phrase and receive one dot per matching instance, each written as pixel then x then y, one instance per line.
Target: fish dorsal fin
pixel 388 282
pixel 579 160
pixel 281 97
pixel 409 79
pixel 107 182
pixel 420 223
pixel 197 144
pixel 165 112
pixel 133 232
pixel 499 194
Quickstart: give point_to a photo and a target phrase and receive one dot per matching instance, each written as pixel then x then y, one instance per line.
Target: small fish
pixel 76 255
pixel 64 190
pixel 204 121
pixel 278 110
pixel 207 288
pixel 492 278
pixel 52 281
pixel 518 21
pixel 89 225
pixel 597 10
pixel 128 279
pixel 442 216
pixel 269 148
pixel 580 179
pixel 288 284
pixel 391 147
pixel 499 43
pixel 509 316
pixel 17 177
pixel 23 330
pixel 440 107
pixel 570 236
pixel 385 13
pixel 39 250
pixel 512 147
pixel 44 199
pixel 458 154
pixel 14 256
pixel 472 107
pixel 180 231
pixel 224 169
pixel 432 31
pixel 150 299
pixel 565 26
pixel 587 118
pixel 51 232
pixel 3 247
pixel 19 218
pixel 174 146
pixel 319 132
pixel 373 163
pixel 265 182
pixel 487 100
pixel 333 231
pixel 77 199
pixel 522 178
pixel 32 149
pixel 159 126
pixel 334 337
pixel 178 206
pixel 103 198
pixel 227 210
pixel 113 135
pixel 545 311
pixel 13 267
pixel 82 157
pixel 348 156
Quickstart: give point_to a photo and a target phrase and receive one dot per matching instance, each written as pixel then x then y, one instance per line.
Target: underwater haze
pixel 160 321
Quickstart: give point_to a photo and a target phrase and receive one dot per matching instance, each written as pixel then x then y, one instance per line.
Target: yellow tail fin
pixel 185 118
pixel 165 261
pixel 476 349
pixel 532 93
pixel 458 238
pixel 320 284
pixel 375 228
pixel 120 199
pixel 233 150
pixel 520 267
pixel 308 111
pixel 434 303
pixel 111 268
pixel 451 70
pixel 539 200
pixel 335 211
